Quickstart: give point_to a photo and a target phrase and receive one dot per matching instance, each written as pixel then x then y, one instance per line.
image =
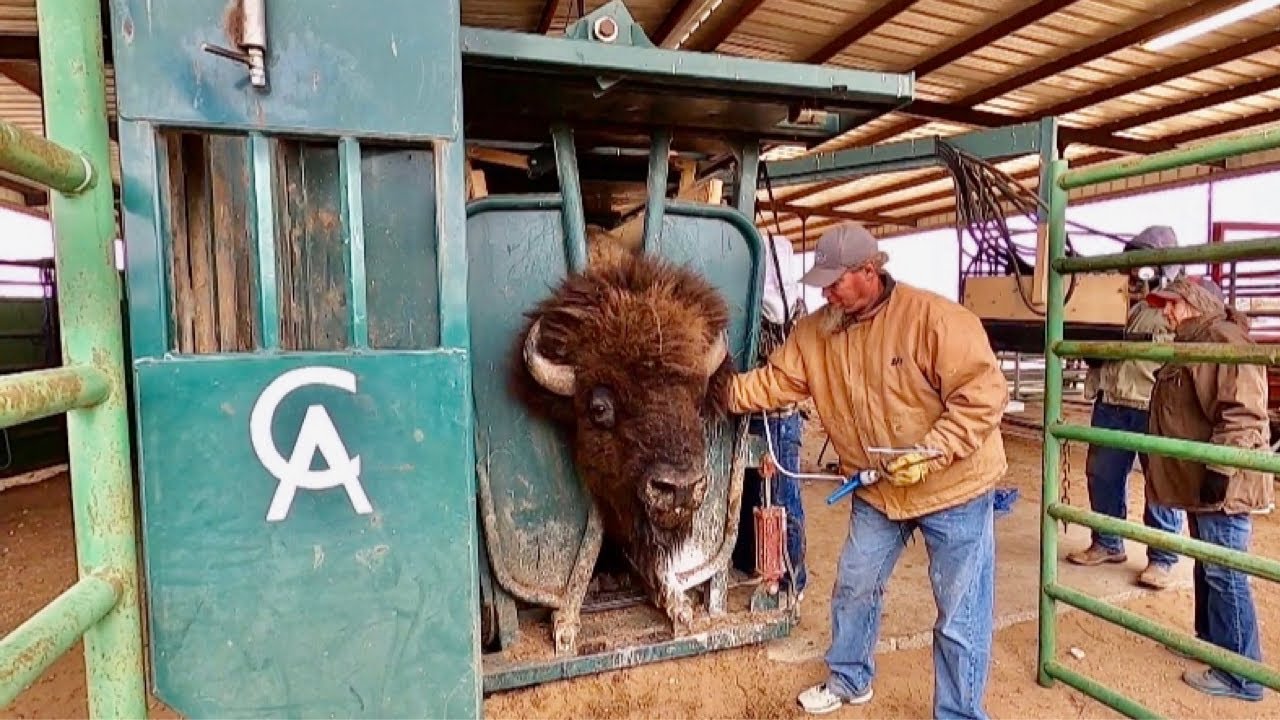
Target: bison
pixel 630 357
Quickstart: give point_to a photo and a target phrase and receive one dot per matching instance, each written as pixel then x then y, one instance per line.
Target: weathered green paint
pixel 262 212
pixel 402 248
pixel 36 394
pixel 746 178
pixel 30 156
pixel 353 233
pixel 997 144
pixel 1198 549
pixel 1262 460
pixel 1171 160
pixel 376 625
pixel 1198 649
pixel 533 508
pixel 29 649
pixel 311 58
pixel 656 185
pixel 1051 458
pixel 1222 353
pixel 600 83
pixel 98 439
pixel 1261 249
pixel 1101 693
pixel 354 209
pixel 503 675
pixel 571 210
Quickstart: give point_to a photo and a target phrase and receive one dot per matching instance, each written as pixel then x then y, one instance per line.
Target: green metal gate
pixel 1057 431
pixel 298 324
pixel 74 164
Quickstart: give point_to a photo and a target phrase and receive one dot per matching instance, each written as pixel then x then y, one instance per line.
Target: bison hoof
pixel 681 618
pixel 565 631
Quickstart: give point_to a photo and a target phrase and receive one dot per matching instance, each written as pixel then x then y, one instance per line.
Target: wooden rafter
pixel 1195 10
pixel 675 15
pixel 722 30
pixel 860 29
pixel 548 15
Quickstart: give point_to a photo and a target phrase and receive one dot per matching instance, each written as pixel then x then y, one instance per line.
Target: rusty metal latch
pixel 253 42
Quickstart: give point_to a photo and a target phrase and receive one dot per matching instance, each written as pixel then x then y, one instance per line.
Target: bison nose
pixel 671 491
pixel 668 489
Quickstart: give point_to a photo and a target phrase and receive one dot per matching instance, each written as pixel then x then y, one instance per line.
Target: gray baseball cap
pixel 844 246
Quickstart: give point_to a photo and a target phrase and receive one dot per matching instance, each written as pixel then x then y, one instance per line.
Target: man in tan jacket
pixel 890 365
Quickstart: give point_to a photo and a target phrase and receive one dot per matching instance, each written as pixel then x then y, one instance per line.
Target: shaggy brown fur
pixel 637 330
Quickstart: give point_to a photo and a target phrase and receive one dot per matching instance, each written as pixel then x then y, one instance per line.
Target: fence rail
pixel 1057 431
pixel 102 607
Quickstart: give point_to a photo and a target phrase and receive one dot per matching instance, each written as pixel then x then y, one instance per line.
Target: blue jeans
pixel 786 434
pixel 960 542
pixel 1225 614
pixel 1108 472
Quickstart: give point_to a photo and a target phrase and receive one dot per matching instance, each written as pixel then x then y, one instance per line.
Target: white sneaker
pixel 819 700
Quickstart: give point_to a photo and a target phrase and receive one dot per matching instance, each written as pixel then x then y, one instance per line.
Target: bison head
pixel 633 349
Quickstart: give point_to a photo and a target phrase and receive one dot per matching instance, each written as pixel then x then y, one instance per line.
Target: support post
pixel 659 151
pixel 1053 449
pixel 571 210
pixel 84 228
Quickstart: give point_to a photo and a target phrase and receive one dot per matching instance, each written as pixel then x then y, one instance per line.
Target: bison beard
pixel 629 357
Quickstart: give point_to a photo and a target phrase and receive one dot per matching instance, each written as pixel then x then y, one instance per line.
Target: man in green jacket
pixel 1121 391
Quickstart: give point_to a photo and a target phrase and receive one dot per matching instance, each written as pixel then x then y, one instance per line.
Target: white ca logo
pixel 317 433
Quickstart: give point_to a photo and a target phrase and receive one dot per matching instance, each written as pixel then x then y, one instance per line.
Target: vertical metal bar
pixel 84 231
pixel 1048 142
pixel 263 212
pixel 748 178
pixel 353 235
pixel 1051 487
pixel 657 186
pixel 571 210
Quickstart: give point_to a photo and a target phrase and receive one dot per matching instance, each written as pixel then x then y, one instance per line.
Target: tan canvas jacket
pixel 1128 383
pixel 1209 402
pixel 918 370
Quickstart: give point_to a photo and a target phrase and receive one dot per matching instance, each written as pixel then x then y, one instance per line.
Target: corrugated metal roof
pixel 1023 39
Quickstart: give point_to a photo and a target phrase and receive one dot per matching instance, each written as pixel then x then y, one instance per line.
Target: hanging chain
pixel 1064 475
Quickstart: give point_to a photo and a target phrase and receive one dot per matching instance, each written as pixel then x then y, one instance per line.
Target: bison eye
pixel 600 407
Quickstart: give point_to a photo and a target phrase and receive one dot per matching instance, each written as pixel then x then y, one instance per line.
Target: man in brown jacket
pixel 1223 404
pixel 889 365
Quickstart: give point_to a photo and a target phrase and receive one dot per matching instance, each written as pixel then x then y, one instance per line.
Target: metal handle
pixel 253 42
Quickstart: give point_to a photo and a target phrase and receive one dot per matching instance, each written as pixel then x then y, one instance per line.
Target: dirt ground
pixel 37 561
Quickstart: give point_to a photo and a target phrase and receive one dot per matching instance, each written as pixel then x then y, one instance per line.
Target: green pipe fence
pixel 38 643
pixel 1058 432
pixel 103 606
pixel 1171 160
pixel 1259 249
pixel 35 158
pixel 37 394
pixel 1221 353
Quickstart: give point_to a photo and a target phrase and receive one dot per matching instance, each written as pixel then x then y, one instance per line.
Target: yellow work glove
pixel 907 470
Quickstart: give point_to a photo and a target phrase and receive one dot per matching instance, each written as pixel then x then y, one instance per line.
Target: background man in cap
pixel 1121 391
pixel 1223 404
pixel 890 365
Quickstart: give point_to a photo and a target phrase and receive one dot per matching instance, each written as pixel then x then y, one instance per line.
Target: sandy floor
pixel 37 561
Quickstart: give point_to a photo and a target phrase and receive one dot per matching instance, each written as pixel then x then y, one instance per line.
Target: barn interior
pixel 979 70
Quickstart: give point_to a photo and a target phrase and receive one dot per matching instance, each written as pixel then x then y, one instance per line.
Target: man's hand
pixel 1213 489
pixel 908 469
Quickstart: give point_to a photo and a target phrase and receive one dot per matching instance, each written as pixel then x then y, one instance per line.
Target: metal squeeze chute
pixel 600 116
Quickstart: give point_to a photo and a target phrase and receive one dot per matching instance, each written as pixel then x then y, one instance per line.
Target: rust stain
pixel 33 656
pixel 233 22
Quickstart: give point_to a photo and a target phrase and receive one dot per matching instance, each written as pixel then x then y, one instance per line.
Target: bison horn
pixel 716 354
pixel 553 376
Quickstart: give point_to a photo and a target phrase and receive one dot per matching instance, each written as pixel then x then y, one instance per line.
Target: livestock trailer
pixel 343 509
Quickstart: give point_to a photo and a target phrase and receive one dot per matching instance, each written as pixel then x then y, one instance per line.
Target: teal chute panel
pixel 533 506
pixel 533 510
